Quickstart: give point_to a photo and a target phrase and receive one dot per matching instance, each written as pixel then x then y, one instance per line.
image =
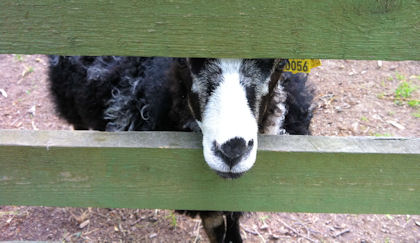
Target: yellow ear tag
pixel 301 65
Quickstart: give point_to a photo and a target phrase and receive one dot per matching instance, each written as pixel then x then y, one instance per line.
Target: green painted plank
pixel 333 29
pixel 167 170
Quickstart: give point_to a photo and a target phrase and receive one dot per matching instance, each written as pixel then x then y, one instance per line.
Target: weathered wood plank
pixel 167 170
pixel 333 29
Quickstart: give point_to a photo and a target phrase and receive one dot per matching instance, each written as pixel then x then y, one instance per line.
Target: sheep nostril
pixel 234 148
pixel 251 143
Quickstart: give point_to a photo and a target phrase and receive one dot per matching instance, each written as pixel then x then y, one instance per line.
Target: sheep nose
pixel 234 150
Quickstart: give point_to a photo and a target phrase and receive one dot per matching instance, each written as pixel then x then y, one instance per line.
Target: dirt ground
pixel 353 98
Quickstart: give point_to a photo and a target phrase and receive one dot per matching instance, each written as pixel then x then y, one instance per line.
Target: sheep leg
pixel 214 225
pixel 232 227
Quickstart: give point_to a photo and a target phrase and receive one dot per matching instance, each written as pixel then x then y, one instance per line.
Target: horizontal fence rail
pixel 332 29
pixel 167 170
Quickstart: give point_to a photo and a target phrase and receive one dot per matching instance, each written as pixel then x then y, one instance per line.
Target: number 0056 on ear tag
pixel 301 65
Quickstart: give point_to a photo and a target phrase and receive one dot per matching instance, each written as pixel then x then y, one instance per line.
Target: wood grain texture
pixel 333 29
pixel 167 170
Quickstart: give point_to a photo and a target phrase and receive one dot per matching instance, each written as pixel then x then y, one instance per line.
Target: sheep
pixel 229 100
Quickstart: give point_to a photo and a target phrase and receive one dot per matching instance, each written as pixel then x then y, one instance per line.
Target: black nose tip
pixel 234 150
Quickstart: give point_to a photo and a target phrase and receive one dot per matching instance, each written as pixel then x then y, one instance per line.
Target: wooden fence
pixel 167 170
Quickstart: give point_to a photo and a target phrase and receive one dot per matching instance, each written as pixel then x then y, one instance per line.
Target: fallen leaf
pixel 264 227
pixel 32 110
pixel 396 124
pixel 34 126
pixel 84 224
pixel 3 92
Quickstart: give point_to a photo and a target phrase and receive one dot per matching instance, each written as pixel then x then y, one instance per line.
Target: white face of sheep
pixel 225 99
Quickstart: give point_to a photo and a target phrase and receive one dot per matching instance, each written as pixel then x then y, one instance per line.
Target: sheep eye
pixel 197 64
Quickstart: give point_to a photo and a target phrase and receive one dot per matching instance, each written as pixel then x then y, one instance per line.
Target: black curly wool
pixel 144 94
pixel 112 93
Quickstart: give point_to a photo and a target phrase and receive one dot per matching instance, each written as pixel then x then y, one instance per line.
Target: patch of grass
pixel 417 114
pixel 383 84
pixel 172 216
pixel 382 135
pixel 387 240
pixel 173 222
pixel 403 92
pixel 263 218
pixel 405 89
pixel 380 96
pixel 413 103
pixel 19 58
pixel 363 118
pixel 400 76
